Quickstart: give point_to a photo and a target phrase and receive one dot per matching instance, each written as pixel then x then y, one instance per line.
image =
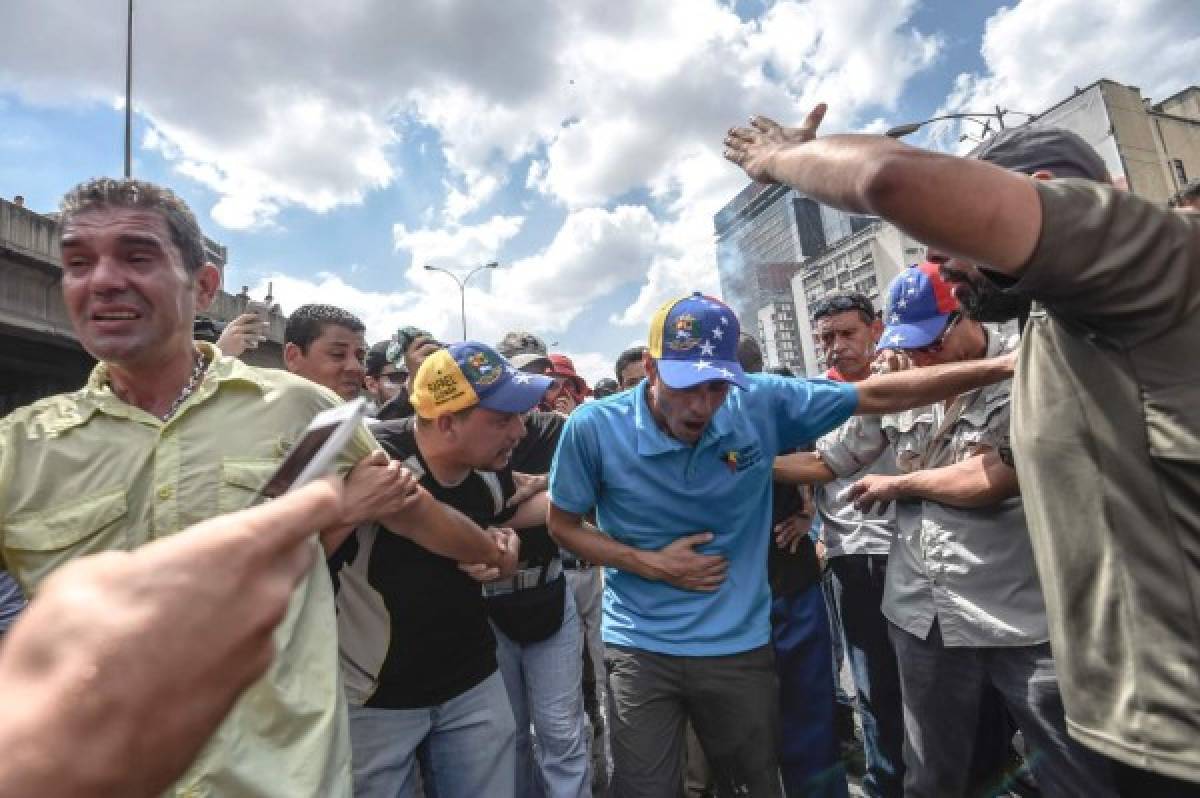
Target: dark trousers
pixel 1137 783
pixel 808 756
pixel 942 689
pixel 858 581
pixel 732 702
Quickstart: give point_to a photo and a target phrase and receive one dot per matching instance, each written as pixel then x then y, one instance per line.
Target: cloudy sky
pixel 337 147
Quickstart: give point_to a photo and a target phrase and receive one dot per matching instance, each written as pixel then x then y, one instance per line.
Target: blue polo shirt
pixel 650 489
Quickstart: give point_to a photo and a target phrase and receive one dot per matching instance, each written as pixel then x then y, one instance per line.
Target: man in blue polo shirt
pixel 679 472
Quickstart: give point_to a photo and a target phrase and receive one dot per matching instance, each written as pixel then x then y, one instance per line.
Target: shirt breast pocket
pixel 241 480
pixel 37 543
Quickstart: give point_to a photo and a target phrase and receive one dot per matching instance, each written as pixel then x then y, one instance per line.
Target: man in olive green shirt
pixel 167 432
pixel 1106 425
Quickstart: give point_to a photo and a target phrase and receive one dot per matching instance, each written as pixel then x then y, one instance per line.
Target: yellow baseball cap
pixel 470 373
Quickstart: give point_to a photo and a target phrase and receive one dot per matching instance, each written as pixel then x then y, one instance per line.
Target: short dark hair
pixel 307 322
pixel 749 353
pixel 841 303
pixel 107 192
pixel 781 371
pixel 631 355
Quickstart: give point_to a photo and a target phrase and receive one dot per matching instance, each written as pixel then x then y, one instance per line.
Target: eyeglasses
pixel 939 343
pixel 842 303
pixel 394 377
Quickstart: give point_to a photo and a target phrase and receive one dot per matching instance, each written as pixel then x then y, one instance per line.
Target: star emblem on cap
pixel 706 349
pixel 718 333
pixel 701 365
pixel 895 319
pixel 902 303
pixel 895 338
pixel 726 373
pixel 521 378
pixel 725 320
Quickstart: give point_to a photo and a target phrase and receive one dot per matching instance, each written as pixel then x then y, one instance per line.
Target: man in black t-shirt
pixel 418 655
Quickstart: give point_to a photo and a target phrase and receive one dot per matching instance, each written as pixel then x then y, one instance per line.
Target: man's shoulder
pixel 48 417
pixel 396 436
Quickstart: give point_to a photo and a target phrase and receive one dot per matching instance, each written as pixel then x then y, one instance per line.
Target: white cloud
pixel 309 105
pixel 1036 53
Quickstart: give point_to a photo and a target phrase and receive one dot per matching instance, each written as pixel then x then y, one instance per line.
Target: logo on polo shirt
pixel 738 460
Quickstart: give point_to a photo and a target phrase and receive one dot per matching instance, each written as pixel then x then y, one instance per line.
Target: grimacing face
pixel 849 342
pixel 130 299
pixel 685 413
pixel 485 439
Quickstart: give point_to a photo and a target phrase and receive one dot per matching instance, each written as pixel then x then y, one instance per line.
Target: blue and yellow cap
pixel 470 373
pixel 694 339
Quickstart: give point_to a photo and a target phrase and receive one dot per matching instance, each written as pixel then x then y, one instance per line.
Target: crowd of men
pixel 517 586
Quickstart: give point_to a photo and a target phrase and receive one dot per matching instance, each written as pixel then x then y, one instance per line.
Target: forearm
pixel 531 512
pixel 941 200
pixel 980 481
pixel 880 394
pixel 443 530
pixel 588 543
pixel 803 468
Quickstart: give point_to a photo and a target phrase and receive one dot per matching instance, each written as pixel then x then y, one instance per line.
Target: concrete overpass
pixel 39 354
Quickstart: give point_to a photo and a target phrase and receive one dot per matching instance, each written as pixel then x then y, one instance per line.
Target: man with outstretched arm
pixel 679 471
pixel 1105 428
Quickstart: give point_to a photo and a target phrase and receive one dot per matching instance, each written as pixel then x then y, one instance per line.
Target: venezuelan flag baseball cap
pixel 694 339
pixel 918 307
pixel 468 374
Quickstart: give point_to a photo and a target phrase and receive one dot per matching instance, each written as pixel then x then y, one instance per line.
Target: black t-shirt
pixel 534 455
pixel 437 638
pixel 788 572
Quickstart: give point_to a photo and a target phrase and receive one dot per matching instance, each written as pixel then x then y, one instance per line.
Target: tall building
pixel 763 235
pixel 777 333
pixel 864 261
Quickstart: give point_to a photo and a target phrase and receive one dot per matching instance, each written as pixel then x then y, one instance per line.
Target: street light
pixel 129 90
pixel 912 127
pixel 462 286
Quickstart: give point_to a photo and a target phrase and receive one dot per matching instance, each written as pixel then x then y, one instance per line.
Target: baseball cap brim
pixel 682 374
pixel 520 392
pixel 914 335
pixel 526 359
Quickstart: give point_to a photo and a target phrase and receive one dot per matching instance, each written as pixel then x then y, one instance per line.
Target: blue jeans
pixel 943 688
pixel 858 581
pixel 467 745
pixel 808 756
pixel 544 681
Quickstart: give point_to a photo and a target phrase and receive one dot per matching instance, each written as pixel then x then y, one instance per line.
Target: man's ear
pixel 445 424
pixel 291 355
pixel 208 282
pixel 876 330
pixel 651 367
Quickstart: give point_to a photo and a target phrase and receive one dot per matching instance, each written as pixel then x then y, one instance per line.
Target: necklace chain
pixel 190 388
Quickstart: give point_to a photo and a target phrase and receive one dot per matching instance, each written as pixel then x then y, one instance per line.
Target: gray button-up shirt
pixel 971 569
pixel 853 451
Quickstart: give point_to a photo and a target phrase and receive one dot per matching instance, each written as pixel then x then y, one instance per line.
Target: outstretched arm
pixel 961 206
pixel 880 394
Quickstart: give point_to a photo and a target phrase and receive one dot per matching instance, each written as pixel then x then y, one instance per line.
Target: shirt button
pixel 165 492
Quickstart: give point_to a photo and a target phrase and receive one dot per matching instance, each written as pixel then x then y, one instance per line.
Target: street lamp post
pixel 462 286
pixel 129 90
pixel 912 127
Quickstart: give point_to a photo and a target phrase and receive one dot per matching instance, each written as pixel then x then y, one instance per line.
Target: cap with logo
pixel 468 374
pixel 694 339
pixel 918 308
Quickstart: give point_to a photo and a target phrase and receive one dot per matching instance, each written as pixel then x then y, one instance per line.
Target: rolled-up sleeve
pixel 853 446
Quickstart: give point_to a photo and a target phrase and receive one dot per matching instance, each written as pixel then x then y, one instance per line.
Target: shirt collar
pixel 652 440
pixel 98 396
